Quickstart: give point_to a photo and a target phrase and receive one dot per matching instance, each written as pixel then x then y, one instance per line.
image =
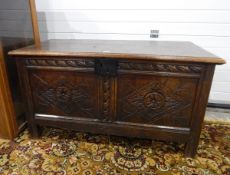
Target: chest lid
pixel 138 50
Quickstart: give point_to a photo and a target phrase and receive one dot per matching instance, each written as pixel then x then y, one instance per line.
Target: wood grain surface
pixel 8 126
pixel 144 50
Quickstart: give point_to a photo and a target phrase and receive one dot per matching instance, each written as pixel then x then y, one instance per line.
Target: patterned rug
pixel 60 152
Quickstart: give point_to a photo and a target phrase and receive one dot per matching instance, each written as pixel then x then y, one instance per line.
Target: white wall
pixel 204 22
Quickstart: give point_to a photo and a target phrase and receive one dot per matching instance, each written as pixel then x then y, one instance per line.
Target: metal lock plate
pixel 106 67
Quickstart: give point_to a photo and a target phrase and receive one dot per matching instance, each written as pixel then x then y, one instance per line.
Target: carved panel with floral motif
pixel 152 100
pixel 58 94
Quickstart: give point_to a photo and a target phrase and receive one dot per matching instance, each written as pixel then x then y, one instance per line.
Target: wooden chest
pixel 148 89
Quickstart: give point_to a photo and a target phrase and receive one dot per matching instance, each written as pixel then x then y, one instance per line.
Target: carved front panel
pixel 69 93
pixel 156 100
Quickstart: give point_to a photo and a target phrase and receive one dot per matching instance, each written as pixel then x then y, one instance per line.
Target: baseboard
pixel 219 105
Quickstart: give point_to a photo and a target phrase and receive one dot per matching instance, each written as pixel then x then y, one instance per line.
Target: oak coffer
pixel 149 89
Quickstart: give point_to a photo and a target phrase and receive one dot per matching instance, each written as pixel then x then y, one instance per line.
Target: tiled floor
pixel 217 115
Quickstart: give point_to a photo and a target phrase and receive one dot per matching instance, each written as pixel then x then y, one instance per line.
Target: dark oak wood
pixel 124 92
pixel 199 110
pixel 138 50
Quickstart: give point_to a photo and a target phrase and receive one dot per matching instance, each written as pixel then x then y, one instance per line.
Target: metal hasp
pixel 106 67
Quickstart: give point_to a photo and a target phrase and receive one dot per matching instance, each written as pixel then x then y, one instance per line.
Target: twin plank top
pixel 141 50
